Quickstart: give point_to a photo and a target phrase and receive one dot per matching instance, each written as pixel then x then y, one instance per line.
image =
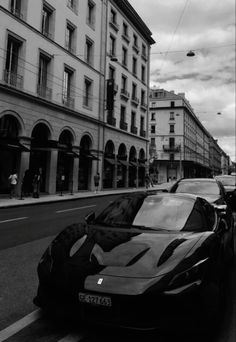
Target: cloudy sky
pixel 208 78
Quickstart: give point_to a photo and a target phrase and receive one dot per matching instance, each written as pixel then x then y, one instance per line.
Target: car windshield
pixel 198 187
pixel 153 212
pixel 227 181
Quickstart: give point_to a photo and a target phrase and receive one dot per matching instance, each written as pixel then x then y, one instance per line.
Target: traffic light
pixel 110 94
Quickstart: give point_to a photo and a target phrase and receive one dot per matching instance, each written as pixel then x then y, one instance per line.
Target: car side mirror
pixel 221 209
pixel 90 217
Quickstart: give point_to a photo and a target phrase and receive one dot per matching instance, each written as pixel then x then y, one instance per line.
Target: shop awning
pixel 111 161
pixel 12 144
pixel 124 162
pixel 88 155
pixel 133 163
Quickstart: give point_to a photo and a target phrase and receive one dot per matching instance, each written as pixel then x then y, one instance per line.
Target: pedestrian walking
pixel 26 183
pixel 147 180
pixel 13 178
pixel 36 183
pixel 96 181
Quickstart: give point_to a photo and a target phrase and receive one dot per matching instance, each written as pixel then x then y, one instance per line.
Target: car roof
pixel 165 194
pixel 198 180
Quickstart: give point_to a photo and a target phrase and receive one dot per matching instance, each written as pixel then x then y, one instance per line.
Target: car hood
pixel 145 255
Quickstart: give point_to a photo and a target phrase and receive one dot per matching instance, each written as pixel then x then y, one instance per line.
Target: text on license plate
pixel 94 299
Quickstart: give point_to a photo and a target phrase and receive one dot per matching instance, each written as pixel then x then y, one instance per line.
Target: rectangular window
pixel 153 142
pixel 142 123
pixel 91 14
pixel 172 115
pixel 72 4
pixel 144 53
pixel 125 29
pixel 153 116
pixel 172 103
pixel 134 67
pixel 89 51
pixel 123 82
pixel 124 56
pixel 67 98
pixel 87 101
pixel 112 45
pixel 153 129
pixel 172 128
pixel 133 119
pixel 135 40
pixel 143 97
pixel 171 142
pixel 70 37
pixel 122 113
pixel 16 8
pixel 143 73
pixel 11 75
pixel 46 21
pixel 134 90
pixel 111 73
pixel 113 16
pixel 42 87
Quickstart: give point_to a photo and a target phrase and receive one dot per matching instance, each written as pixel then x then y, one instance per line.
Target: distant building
pixel 179 143
pixel 56 109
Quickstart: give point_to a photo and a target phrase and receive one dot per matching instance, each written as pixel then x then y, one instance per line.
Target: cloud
pixel 208 79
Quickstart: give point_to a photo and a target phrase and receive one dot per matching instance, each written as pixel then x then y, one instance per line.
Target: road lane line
pixel 79 208
pixel 72 338
pixel 19 325
pixel 15 219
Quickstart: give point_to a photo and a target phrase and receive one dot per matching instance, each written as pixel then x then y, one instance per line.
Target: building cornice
pixel 133 16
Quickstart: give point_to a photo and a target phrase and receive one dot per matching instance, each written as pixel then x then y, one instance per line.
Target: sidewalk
pixel 6 202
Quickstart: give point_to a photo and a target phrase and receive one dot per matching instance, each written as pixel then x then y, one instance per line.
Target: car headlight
pixel 192 276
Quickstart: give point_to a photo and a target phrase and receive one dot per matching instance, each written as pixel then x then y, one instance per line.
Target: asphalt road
pixel 24 234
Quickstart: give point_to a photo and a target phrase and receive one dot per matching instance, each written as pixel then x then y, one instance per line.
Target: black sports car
pixel 229 184
pixel 209 188
pixel 144 261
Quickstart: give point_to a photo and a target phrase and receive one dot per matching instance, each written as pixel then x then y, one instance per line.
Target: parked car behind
pixel 145 261
pixel 209 188
pixel 229 184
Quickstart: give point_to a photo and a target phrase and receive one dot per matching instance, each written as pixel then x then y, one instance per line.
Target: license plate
pixel 94 299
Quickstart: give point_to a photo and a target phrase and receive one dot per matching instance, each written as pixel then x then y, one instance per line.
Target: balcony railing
pixel 143 105
pixel 124 94
pixel 135 100
pixel 114 25
pixel 142 133
pixel 44 91
pixel 136 48
pixel 68 101
pixel 123 125
pixel 168 148
pixel 133 129
pixel 144 56
pixel 126 38
pixel 13 79
pixel 111 120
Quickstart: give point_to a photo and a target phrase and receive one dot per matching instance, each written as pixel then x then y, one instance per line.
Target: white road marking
pixel 72 338
pixel 15 219
pixel 79 208
pixel 19 325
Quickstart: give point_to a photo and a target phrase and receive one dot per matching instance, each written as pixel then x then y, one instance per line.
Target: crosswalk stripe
pixel 19 325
